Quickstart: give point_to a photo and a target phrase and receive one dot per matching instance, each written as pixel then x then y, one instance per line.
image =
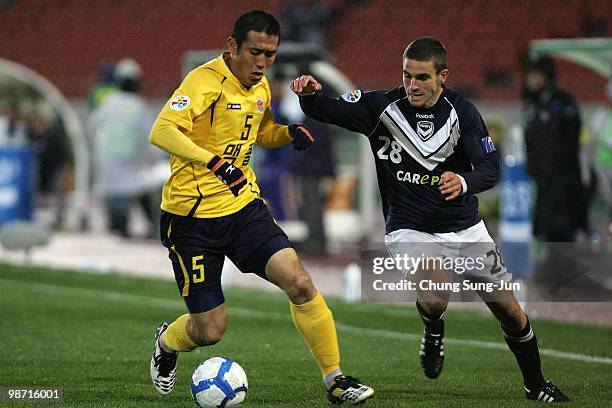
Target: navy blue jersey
pixel 412 148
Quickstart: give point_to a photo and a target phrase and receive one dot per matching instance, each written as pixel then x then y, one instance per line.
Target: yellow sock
pixel 176 337
pixel 315 323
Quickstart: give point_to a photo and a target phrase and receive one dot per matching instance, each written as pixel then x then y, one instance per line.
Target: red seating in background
pixel 481 36
pixel 67 40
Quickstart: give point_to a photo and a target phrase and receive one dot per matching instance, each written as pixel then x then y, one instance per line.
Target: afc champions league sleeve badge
pixel 352 96
pixel 178 103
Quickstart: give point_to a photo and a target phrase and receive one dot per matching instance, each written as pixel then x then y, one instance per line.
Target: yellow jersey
pixel 219 114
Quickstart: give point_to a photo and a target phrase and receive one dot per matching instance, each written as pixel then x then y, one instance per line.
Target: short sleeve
pixel 199 90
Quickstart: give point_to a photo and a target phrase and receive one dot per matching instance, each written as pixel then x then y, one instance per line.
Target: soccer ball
pixel 219 382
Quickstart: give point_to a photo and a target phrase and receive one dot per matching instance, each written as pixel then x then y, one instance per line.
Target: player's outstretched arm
pixel 352 111
pixel 167 136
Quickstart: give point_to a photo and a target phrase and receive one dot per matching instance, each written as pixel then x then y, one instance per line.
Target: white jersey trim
pixel 430 152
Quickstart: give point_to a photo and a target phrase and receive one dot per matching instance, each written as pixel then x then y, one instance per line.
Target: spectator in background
pixel 307 22
pixel 309 169
pixel 272 174
pixel 489 200
pixel 53 154
pixel 98 93
pixel 123 158
pixel 12 128
pixel 105 86
pixel 552 131
pixel 601 149
pixel 50 143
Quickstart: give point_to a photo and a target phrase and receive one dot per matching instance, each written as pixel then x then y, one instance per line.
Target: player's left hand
pixel 302 139
pixel 305 85
pixel 450 185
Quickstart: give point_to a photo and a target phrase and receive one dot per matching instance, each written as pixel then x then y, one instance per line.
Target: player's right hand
pixel 450 185
pixel 229 174
pixel 305 85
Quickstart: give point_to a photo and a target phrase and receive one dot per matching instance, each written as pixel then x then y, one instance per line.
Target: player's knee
pixel 207 336
pixel 285 270
pixel 434 307
pixel 516 318
pixel 209 331
pixel 300 288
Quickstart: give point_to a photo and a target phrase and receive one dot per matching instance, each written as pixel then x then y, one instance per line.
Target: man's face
pixel 254 57
pixel 535 80
pixel 423 85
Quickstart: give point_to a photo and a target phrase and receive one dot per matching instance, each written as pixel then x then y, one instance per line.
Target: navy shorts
pixel 197 248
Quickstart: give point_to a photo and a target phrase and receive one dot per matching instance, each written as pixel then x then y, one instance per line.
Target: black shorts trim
pixel 200 302
pixel 257 262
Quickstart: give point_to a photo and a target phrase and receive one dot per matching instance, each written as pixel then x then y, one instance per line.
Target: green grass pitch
pixel 92 335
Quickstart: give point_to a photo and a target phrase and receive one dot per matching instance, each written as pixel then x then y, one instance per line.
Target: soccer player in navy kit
pixel 433 153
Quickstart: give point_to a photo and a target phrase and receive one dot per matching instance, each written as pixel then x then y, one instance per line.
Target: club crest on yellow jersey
pixel 260 104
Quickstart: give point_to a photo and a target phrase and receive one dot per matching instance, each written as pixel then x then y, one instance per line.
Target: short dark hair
pixel 425 49
pixel 255 20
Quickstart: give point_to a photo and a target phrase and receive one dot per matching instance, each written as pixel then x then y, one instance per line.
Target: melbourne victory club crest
pixel 260 104
pixel 425 129
pixel 178 103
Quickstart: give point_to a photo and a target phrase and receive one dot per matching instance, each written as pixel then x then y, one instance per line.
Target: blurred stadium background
pixel 53 53
pixel 59 51
pixel 51 69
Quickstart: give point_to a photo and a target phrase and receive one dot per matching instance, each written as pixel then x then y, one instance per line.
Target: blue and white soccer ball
pixel 219 382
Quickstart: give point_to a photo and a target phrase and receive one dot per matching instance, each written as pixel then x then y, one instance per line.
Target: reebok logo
pixel 425 116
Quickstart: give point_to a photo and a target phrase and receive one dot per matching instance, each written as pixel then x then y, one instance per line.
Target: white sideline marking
pixel 177 304
pixel 472 343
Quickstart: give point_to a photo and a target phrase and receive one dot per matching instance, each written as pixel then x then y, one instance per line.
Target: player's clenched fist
pixel 302 139
pixel 450 185
pixel 305 85
pixel 229 174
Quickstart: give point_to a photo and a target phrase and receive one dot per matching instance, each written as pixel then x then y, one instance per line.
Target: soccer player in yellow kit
pixel 212 206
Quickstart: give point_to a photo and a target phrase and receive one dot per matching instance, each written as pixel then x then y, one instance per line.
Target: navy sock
pixel 524 346
pixel 433 324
